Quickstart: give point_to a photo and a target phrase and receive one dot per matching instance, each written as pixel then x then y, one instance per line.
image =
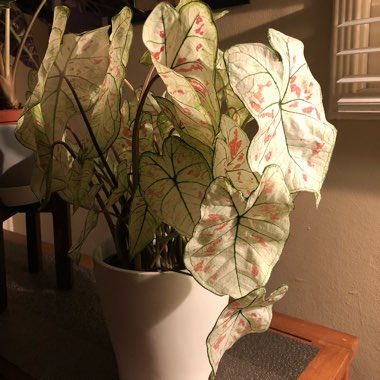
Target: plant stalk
pixel 24 38
pixel 135 132
pixel 7 43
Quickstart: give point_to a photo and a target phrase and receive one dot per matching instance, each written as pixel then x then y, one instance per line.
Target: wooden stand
pixel 337 349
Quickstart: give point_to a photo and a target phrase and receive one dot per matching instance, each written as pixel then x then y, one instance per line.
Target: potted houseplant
pixel 183 188
pixel 16 161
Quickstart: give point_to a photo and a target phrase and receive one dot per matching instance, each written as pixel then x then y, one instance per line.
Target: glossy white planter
pixel 158 323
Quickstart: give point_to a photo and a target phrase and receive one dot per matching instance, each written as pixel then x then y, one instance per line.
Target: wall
pixel 332 259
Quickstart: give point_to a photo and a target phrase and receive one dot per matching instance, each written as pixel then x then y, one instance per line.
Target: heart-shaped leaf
pixel 105 119
pixel 230 159
pixel 26 125
pixel 183 45
pixel 286 101
pixel 250 314
pixel 238 241
pixel 174 184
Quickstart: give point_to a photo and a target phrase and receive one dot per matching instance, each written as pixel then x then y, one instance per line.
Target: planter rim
pixel 99 257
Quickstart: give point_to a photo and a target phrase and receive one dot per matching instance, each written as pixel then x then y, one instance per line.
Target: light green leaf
pixel 249 314
pixel 238 241
pixel 105 120
pixel 286 101
pixel 183 45
pixel 90 223
pixel 25 125
pixel 142 225
pixel 174 184
pixel 230 159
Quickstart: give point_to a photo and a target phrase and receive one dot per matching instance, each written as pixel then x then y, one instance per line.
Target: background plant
pixel 176 176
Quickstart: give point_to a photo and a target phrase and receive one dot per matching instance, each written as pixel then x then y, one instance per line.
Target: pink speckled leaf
pixel 249 314
pixel 174 183
pixel 238 241
pixel 286 101
pixel 230 159
pixel 105 118
pixel 183 46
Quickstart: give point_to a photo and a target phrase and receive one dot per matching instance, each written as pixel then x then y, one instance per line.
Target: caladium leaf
pixel 168 109
pixel 174 184
pixel 235 107
pixel 238 241
pixel 105 119
pixel 142 225
pixel 286 101
pixel 183 45
pixel 90 223
pixel 249 314
pixel 26 126
pixel 230 159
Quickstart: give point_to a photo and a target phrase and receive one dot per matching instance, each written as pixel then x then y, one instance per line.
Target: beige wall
pixel 332 259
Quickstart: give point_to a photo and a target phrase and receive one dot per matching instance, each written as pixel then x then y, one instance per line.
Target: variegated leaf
pixel 26 125
pixel 230 159
pixel 183 45
pixel 105 119
pixel 90 223
pixel 286 101
pixel 238 241
pixel 174 184
pixel 249 314
pixel 142 225
pixel 235 107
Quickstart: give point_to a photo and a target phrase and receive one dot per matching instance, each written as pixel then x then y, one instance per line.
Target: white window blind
pixel 355 76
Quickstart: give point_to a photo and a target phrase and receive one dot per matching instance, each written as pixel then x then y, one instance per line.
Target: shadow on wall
pixel 309 21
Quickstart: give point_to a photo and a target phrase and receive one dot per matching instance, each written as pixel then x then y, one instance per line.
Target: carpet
pixel 52 334
pixel 55 335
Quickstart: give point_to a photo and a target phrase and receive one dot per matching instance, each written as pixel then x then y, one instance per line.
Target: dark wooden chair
pixel 62 242
pixel 16 167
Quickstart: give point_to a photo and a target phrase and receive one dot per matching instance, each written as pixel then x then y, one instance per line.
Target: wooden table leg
pixel 3 282
pixel 33 237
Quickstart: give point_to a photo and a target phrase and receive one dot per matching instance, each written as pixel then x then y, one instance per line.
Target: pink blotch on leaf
pixel 256 107
pixel 199 266
pixel 198 47
pixel 308 110
pixel 157 54
pixel 162 34
pixel 304 176
pixel 214 277
pixel 260 240
pixel 199 30
pixel 255 270
pixel 267 138
pixel 198 20
pixel 235 145
pixel 181 60
pixel 218 342
pixel 198 86
pixel 318 148
pixel 194 67
pixel 214 218
pixel 294 104
pixel 268 156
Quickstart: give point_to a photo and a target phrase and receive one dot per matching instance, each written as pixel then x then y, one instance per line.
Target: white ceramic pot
pixel 158 322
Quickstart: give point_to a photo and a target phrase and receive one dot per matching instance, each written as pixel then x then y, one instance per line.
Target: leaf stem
pixel 24 38
pixel 135 133
pixel 91 133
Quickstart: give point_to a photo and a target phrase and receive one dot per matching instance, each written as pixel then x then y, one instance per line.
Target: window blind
pixel 355 83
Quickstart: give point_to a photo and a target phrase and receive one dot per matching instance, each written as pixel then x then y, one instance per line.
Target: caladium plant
pixel 181 184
